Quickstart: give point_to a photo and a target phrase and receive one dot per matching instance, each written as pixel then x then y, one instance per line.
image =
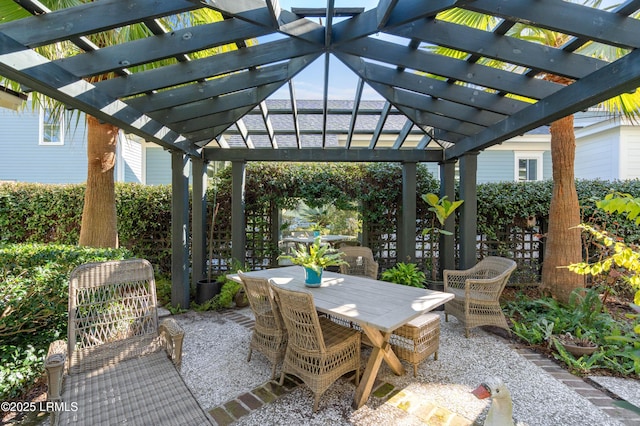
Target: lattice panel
pixel 113 312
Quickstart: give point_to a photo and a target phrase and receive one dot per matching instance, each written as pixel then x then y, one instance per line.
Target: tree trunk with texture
pixel 99 223
pixel 563 245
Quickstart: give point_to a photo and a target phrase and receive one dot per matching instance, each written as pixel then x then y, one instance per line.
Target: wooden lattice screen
pixel 522 244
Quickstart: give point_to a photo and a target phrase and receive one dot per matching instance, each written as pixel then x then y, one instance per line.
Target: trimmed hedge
pixel 52 213
pixel 37 213
pixel 33 305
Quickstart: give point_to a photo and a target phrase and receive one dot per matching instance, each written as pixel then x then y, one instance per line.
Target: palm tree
pixel 99 219
pixel 563 244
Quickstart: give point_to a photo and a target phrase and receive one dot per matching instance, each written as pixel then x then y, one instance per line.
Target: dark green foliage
pixel 33 305
pixel 36 213
pixel 536 321
pixel 52 213
pixel 222 300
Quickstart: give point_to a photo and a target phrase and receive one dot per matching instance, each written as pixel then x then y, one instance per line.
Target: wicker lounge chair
pixel 269 334
pixel 319 351
pixel 360 262
pixel 113 369
pixel 417 340
pixel 477 292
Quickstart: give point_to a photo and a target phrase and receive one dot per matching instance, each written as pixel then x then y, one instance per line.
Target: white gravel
pixel 215 368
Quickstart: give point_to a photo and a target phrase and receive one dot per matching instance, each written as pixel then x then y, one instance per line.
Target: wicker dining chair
pixel 319 351
pixel 477 292
pixel 119 365
pixel 269 335
pixel 359 261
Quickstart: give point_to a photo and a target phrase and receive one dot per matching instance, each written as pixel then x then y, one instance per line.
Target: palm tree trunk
pixel 563 245
pixel 99 223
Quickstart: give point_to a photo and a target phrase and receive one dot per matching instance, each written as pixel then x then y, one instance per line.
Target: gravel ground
pixel 215 368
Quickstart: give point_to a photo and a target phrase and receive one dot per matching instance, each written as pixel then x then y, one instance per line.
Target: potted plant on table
pixel 314 258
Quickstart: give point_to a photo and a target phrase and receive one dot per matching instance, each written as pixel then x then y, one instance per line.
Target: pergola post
pixel 469 212
pixel 447 244
pixel 199 213
pixel 276 222
pixel 407 222
pixel 180 285
pixel 238 219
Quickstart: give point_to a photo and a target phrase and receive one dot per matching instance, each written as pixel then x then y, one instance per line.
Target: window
pixel 51 130
pixel 528 166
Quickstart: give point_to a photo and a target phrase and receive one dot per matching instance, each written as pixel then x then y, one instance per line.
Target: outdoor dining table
pixel 378 307
pixel 330 239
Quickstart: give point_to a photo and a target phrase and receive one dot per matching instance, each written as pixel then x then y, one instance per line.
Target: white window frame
pixel 41 140
pixel 528 155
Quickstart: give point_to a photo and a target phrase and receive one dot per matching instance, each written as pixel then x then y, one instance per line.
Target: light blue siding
pixel 22 159
pixel 158 166
pixel 495 166
pixel 547 167
pixel 131 162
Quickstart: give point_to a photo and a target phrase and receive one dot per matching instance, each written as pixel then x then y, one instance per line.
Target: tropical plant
pixel 404 273
pixel 563 244
pixel 316 256
pixel 539 322
pixel 99 222
pixel 442 208
pixel 622 255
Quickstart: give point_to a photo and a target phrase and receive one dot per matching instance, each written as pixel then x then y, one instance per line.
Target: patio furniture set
pixel 120 365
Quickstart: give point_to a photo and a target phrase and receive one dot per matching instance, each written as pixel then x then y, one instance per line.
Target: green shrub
pixel 33 305
pixel 222 300
pixel 535 321
pixel 405 274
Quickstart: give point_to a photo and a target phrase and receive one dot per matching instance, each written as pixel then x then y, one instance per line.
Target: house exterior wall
pixel 598 152
pixel 604 149
pixel 630 146
pixel 130 166
pixel 498 163
pixel 495 166
pixel 24 159
pixel 158 165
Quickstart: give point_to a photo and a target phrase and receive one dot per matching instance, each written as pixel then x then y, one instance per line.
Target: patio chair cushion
pixel 113 369
pixel 137 391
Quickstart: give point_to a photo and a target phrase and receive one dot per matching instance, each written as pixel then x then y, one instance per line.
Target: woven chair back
pixel 110 302
pixel 493 266
pixel 262 302
pixel 360 262
pixel 301 319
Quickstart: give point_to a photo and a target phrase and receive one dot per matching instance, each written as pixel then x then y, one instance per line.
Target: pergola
pixel 195 108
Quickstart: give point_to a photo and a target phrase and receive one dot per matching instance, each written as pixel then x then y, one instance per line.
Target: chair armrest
pixel 374 269
pixel 485 289
pixel 173 336
pixel 54 364
pixel 455 279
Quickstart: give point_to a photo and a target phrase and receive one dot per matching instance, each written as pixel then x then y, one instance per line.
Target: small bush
pixel 405 274
pixel 33 305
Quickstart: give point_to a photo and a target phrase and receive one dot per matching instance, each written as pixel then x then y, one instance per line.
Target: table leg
pixel 381 350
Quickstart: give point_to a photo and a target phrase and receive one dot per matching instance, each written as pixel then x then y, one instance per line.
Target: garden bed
pixel 533 319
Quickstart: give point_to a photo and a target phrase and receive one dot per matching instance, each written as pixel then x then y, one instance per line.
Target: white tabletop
pixel 379 304
pixel 323 238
